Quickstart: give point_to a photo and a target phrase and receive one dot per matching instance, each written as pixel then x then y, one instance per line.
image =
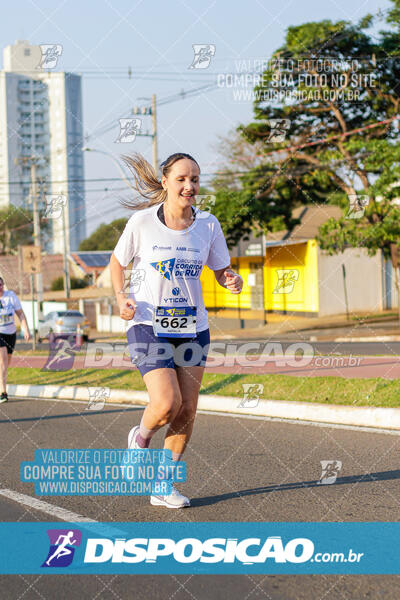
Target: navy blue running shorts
pixel 149 352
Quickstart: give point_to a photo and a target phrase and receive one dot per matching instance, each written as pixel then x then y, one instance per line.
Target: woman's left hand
pixel 27 335
pixel 233 282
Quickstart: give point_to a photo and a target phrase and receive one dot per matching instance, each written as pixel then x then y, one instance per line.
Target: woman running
pixel 169 242
pixel 9 304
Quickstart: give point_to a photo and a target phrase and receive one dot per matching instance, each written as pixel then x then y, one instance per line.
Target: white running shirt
pixel 167 263
pixel 9 304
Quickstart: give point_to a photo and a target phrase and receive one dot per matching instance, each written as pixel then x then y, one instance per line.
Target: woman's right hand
pixel 127 309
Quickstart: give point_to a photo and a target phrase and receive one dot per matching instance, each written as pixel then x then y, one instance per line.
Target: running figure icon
pixel 61 351
pixel 62 549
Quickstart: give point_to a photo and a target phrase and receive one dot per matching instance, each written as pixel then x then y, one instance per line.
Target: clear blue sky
pixel 102 38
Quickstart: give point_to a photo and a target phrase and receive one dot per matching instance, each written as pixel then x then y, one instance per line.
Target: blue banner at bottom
pixel 201 548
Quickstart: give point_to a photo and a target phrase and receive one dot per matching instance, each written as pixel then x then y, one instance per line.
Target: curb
pixel 377 338
pixel 359 416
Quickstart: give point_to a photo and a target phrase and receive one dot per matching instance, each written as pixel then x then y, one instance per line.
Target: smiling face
pixel 182 183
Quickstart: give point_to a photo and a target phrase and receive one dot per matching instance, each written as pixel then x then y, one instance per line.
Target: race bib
pixel 6 319
pixel 174 322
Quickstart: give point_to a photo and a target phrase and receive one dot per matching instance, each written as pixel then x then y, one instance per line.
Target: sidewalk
pixel 318 328
pixel 330 328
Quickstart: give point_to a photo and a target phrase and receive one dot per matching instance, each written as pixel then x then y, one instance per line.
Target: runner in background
pixel 9 304
pixel 169 242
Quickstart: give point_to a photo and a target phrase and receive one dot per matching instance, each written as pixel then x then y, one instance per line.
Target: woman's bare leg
pixel 181 427
pixel 165 398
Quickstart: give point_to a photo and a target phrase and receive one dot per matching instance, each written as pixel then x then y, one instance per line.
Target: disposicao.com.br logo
pixel 247 551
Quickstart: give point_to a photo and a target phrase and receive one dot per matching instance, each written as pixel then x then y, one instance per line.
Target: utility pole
pixel 36 227
pixel 150 110
pixel 154 119
pixel 33 198
pixel 66 265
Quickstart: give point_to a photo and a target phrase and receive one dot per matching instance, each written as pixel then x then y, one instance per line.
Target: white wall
pixel 48 307
pixel 363 280
pixel 109 323
pixel 29 308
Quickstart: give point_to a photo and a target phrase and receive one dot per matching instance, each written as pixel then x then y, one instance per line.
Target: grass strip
pixel 326 390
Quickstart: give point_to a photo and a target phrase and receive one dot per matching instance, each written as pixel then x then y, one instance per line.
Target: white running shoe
pixel 174 500
pixel 132 445
pixel 132 435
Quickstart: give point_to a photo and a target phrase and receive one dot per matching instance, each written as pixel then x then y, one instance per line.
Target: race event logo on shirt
pixel 164 267
pixel 62 547
pixel 180 267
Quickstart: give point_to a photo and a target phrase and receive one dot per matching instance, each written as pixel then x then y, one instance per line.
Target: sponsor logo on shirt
pixel 176 291
pixel 176 300
pixel 184 249
pixel 180 267
pixel 161 248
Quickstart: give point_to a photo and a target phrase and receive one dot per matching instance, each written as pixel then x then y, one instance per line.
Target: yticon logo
pixel 174 298
pixel 62 547
pixel 190 550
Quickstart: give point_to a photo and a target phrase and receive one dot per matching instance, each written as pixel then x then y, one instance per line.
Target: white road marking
pixel 61 513
pixel 50 509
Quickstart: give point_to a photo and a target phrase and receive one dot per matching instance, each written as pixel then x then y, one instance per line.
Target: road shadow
pixel 367 478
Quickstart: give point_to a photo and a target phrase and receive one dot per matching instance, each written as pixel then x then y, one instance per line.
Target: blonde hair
pixel 146 183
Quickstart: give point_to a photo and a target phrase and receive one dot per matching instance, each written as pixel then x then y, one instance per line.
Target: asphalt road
pixel 246 470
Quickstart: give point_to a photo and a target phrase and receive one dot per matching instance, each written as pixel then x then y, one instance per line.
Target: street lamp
pixel 86 149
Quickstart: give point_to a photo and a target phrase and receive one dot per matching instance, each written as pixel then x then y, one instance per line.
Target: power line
pixel 163 101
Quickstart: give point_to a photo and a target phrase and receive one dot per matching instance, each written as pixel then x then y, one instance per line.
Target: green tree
pixel 76 283
pixel 341 137
pixel 378 225
pixel 105 237
pixel 16 227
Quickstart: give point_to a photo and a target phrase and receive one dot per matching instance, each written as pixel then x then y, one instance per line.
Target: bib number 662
pixel 175 323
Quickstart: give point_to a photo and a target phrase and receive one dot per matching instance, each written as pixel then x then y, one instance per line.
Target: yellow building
pixel 288 273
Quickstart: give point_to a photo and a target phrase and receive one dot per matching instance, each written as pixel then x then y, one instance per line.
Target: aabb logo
pixel 62 547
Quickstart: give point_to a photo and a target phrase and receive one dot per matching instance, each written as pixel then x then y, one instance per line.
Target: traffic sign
pixel 31 259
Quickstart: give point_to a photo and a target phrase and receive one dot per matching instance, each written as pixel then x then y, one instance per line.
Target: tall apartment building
pixel 41 117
